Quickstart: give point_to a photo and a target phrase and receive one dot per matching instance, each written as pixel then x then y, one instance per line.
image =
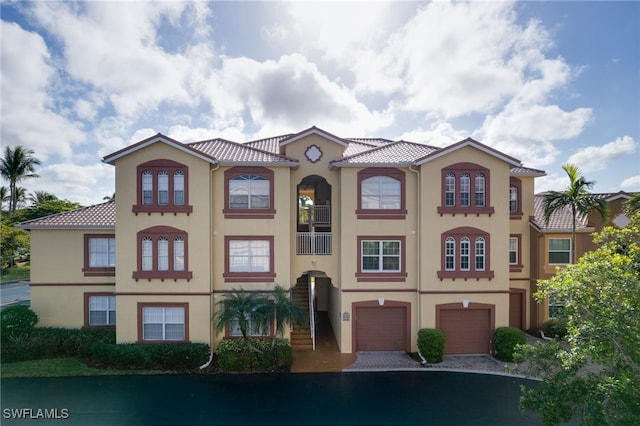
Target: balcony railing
pixel 313 243
pixel 322 214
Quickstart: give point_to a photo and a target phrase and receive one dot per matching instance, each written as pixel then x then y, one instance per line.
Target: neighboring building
pixel 551 242
pixel 389 237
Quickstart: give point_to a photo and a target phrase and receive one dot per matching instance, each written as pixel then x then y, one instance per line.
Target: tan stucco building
pixel 387 236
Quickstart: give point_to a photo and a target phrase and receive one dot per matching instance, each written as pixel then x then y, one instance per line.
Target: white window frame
pixel 147 187
pixel 165 317
pixel 450 190
pixel 381 193
pixel 102 304
pixel 567 251
pixel 102 252
pixel 513 199
pixel 465 190
pixel 480 190
pixel 178 188
pixel 513 249
pixel 247 186
pixel 381 256
pixel 465 254
pixel 479 253
pixel 257 255
pixel 234 329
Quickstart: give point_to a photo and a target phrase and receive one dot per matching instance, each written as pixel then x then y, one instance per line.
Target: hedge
pixel 241 355
pixel 53 342
pixel 431 344
pixel 150 356
pixel 505 340
pixel 17 323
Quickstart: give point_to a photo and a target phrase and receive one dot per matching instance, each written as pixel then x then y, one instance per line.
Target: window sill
pixel 465 275
pixel 99 272
pixel 247 277
pixel 162 209
pixel 162 341
pixel 369 277
pixel 156 275
pixel 515 268
pixel 515 215
pixel 381 214
pixel 466 210
pixel 249 213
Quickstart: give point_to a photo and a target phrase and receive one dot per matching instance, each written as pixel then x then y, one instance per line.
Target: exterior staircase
pixel 301 333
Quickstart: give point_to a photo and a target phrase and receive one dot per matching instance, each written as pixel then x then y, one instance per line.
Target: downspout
pixel 419 249
pixel 211 305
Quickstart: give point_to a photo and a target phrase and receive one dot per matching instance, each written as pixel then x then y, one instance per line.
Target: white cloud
pixel 593 158
pixel 83 184
pixel 631 183
pixel 27 115
pixel 440 134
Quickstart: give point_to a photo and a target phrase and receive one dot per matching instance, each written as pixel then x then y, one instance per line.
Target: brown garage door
pixel 381 328
pixel 466 331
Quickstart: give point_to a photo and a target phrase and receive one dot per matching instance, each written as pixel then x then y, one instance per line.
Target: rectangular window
pixel 249 256
pixel 102 252
pixel 178 254
pixel 450 190
pixel 465 252
pixel 147 187
pixel 479 190
pixel 465 188
pixel 254 328
pixel 147 254
pixel 163 323
pixel 163 188
pixel 559 251
pixel 513 199
pixel 449 254
pixel 380 256
pixel 513 250
pixel 102 310
pixel 163 254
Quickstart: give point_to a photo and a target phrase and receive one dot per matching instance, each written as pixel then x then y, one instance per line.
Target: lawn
pixel 21 271
pixel 62 367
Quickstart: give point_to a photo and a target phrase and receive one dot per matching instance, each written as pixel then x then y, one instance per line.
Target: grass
pixel 62 367
pixel 21 271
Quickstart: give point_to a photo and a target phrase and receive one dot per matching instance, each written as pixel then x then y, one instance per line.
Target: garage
pixel 467 331
pixel 381 327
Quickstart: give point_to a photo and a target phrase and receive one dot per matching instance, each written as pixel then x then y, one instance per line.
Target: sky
pixel 545 82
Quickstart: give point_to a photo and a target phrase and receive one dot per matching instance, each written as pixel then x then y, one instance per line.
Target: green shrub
pixel 154 356
pixel 53 342
pixel 431 344
pixel 505 340
pixel 17 323
pixel 242 355
pixel 555 327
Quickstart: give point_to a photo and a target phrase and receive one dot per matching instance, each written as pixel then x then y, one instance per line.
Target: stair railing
pixel 312 315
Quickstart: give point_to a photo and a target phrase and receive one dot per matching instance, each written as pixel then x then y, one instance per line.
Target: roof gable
pixel 469 142
pixel 159 138
pixel 313 130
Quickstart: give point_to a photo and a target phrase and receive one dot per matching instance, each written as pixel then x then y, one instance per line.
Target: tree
pixel 4 196
pixel 577 198
pixel 593 372
pixel 17 164
pixel 246 308
pixel 40 197
pixel 633 204
pixel 285 311
pixel 12 242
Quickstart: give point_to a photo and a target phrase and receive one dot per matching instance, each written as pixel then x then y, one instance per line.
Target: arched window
pixel 162 187
pixel 480 190
pixel 178 254
pixel 479 254
pixel 162 254
pixel 147 254
pixel 178 188
pixel 465 252
pixel 450 254
pixel 465 190
pixel 147 187
pixel 450 190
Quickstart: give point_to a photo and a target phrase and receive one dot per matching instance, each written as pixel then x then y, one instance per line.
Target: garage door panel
pixel 466 331
pixel 381 328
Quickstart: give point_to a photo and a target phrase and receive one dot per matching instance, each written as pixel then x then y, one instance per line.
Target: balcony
pixel 313 243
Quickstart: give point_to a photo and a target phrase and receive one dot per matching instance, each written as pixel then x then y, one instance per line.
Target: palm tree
pixel 40 197
pixel 17 164
pixel 246 308
pixel 285 311
pixel 4 195
pixel 577 198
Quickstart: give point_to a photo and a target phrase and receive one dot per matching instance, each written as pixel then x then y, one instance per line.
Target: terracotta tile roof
pixel 525 171
pixel 231 153
pixel 268 144
pixel 98 216
pixel 559 221
pixel 399 153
